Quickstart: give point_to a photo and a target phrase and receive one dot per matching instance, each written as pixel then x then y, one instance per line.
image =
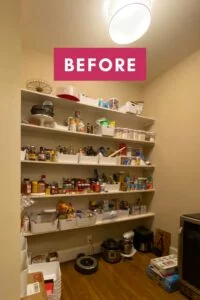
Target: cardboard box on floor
pixel 33 278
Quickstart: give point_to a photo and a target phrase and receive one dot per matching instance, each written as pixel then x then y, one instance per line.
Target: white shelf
pixel 90 194
pixel 72 164
pixel 37 98
pixel 41 129
pixel 104 222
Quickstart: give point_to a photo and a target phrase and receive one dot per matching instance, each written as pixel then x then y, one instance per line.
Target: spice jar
pixel 26 186
pixel 34 187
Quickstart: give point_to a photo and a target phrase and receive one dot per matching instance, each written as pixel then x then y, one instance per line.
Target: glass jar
pixel 41 187
pixel 152 136
pixel 130 134
pixel 118 133
pixel 26 186
pixel 34 187
pixel 142 135
pixel 135 135
pixel 129 151
pixel 125 133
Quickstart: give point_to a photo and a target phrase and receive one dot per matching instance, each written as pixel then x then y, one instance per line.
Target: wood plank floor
pixel 124 281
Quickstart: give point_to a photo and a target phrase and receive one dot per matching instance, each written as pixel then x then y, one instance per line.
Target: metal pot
pixel 111 251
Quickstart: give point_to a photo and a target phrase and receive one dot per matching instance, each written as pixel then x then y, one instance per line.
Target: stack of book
pixel 164 270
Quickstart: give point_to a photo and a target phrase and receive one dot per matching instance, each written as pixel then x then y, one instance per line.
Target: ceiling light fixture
pixel 128 19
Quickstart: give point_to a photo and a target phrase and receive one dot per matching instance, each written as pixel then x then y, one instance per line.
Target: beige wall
pixel 39 65
pixel 10 146
pixel 174 100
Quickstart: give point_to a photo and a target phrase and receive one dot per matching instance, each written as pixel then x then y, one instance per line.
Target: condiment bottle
pixel 41 154
pixel 41 187
pixel 34 187
pixel 32 153
pixel 26 186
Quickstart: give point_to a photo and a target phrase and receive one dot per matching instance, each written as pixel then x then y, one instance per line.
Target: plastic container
pixel 118 133
pixel 67 158
pixel 130 134
pixel 86 221
pixel 152 137
pixel 112 187
pixel 109 131
pixel 44 222
pixel 65 224
pixel 88 160
pixel 23 155
pixel 122 213
pixel 112 161
pixel 135 134
pixel 125 133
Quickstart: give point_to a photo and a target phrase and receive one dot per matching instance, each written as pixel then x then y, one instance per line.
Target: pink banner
pixel 118 64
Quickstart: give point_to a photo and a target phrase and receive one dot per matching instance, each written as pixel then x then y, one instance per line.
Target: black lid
pixel 110 244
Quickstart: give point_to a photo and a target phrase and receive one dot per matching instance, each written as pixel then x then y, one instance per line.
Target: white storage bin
pixel 112 161
pixel 89 101
pixel 86 221
pixel 110 131
pixel 122 213
pixel 110 215
pixel 65 224
pixel 43 223
pixel 88 160
pixel 23 155
pixel 112 187
pixel 67 158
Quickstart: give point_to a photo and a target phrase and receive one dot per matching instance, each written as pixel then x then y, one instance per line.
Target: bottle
pixel 88 128
pixel 34 187
pixel 26 186
pixel 41 154
pixel 26 223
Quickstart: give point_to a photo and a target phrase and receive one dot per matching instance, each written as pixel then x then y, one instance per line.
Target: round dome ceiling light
pixel 128 20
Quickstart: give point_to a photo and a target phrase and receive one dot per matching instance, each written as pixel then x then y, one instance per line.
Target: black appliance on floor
pixel 111 251
pixel 189 255
pixel 143 239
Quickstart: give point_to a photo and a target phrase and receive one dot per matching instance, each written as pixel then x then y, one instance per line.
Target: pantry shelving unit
pixel 104 222
pixel 88 165
pixel 91 194
pixel 40 135
pixel 41 129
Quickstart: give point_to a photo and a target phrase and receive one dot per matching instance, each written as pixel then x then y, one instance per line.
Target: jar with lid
pixel 26 186
pixel 41 187
pixel 125 133
pixel 34 187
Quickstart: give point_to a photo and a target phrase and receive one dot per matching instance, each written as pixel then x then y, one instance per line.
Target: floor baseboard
pixel 71 254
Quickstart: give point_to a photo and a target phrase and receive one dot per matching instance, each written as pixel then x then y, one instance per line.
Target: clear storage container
pixel 125 133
